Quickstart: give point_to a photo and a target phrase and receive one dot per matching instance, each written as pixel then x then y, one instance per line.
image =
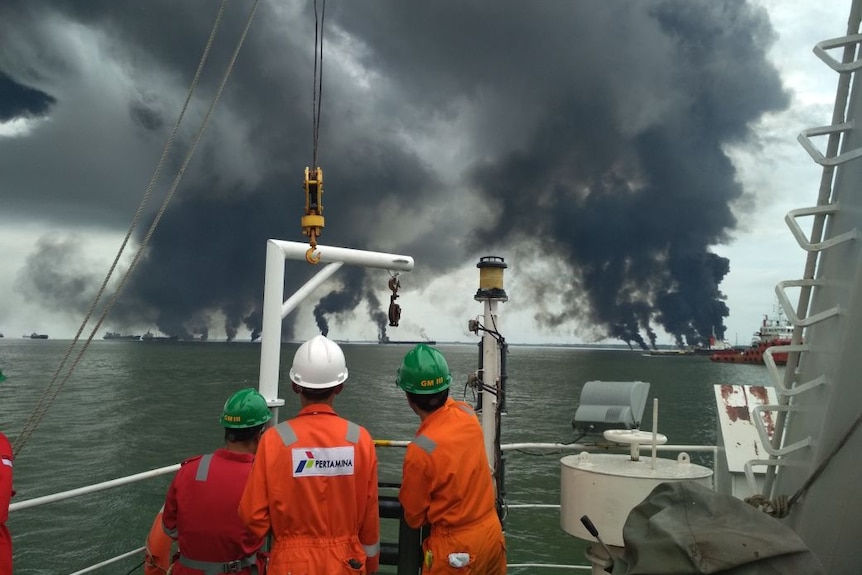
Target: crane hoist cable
pixel 313 221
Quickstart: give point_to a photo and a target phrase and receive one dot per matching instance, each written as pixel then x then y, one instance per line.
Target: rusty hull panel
pixel 740 439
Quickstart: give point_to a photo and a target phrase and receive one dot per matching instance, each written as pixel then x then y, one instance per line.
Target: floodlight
pixel 610 405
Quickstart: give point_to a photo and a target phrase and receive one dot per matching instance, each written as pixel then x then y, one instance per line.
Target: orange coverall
pixel 447 483
pixel 314 484
pixel 6 493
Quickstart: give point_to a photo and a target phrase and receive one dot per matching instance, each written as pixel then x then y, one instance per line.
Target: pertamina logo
pixel 323 461
pixel 303 463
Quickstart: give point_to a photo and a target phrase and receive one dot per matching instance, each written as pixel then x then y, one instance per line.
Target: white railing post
pixel 270 337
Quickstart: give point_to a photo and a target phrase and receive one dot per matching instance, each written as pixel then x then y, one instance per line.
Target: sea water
pixel 129 407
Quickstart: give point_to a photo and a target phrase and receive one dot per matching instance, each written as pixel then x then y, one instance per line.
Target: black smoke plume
pixel 340 301
pixel 378 316
pixel 591 132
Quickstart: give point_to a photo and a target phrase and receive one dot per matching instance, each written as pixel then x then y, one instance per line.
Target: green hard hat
pixel 245 408
pixel 424 371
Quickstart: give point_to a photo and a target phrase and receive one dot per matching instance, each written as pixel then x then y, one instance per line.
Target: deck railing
pixel 548 447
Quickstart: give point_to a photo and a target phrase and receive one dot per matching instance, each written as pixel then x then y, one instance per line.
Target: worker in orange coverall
pixel 314 480
pixel 201 506
pixel 446 480
pixel 6 493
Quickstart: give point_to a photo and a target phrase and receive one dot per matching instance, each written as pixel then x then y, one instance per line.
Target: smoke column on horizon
pixel 608 157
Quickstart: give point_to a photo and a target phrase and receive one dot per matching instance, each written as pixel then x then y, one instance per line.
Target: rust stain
pixel 738 412
pixel 759 392
pixel 769 423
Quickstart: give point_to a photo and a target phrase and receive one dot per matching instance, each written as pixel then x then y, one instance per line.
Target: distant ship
pixel 406 341
pixel 714 345
pixel 35 335
pixel 116 335
pixel 669 352
pixel 150 337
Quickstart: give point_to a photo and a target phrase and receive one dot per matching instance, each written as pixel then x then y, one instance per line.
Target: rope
pixel 777 508
pixel 781 505
pixel 317 83
pixel 49 395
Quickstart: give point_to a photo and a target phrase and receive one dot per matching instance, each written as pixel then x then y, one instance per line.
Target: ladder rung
pixel 764 437
pixel 841 67
pixel 791 313
pixel 802 239
pixel 776 377
pixel 804 139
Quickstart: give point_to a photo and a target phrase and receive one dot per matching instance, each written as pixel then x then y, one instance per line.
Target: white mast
pixel 491 292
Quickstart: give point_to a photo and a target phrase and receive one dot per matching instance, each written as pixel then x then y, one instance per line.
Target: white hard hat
pixel 318 364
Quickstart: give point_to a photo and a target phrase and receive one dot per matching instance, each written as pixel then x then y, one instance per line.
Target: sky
pixel 631 161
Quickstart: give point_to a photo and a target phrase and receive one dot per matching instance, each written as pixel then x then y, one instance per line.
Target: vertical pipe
pixel 481 374
pixel 504 352
pixel 270 337
pixel 490 366
pixel 654 429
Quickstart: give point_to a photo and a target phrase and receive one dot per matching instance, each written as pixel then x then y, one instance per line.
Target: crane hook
pixel 313 220
pixel 309 254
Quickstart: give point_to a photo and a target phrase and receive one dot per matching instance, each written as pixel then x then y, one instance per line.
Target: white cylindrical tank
pixel 606 487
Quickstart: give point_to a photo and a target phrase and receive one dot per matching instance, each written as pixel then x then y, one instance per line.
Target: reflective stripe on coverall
pixel 447 483
pixel 6 494
pixel 314 484
pixel 200 513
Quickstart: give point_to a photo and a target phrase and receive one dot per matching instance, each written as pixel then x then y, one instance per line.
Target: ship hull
pixel 753 354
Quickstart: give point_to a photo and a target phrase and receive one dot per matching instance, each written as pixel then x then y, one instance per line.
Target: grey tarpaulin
pixel 684 528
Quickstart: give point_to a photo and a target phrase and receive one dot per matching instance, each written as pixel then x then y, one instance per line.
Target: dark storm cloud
pixel 595 131
pixel 19 101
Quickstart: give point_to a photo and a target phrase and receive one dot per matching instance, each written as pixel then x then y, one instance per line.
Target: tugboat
pixel 773 331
